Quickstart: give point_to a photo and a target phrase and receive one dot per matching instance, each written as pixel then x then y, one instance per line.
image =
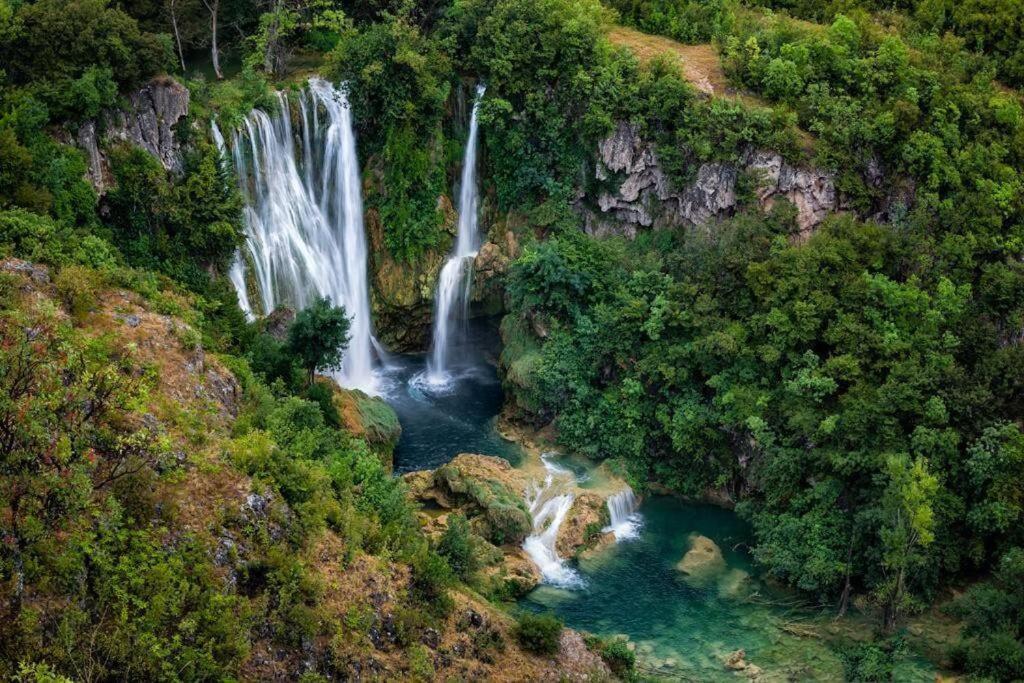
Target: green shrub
pixel 539 633
pixel 615 653
pixel 456 546
pixel 431 578
pixel 77 288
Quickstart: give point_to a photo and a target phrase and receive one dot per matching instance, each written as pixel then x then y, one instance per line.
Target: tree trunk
pixel 270 51
pixel 214 8
pixel 844 599
pixel 177 34
pixel 892 606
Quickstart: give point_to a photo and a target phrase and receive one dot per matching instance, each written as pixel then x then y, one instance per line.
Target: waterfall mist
pixel 451 302
pixel 304 217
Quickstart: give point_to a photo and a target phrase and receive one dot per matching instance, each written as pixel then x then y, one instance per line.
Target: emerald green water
pixel 680 630
pixel 683 629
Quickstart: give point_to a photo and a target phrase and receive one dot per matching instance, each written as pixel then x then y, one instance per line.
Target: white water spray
pixel 304 217
pixel 625 520
pixel 452 300
pixel 549 504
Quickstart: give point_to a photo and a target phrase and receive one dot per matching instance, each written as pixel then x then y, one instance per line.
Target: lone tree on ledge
pixel 319 336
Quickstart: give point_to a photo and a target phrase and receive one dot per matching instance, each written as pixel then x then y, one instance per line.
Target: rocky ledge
pixel 148 123
pixel 636 192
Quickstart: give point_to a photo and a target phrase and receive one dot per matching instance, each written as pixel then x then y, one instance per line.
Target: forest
pixel 855 389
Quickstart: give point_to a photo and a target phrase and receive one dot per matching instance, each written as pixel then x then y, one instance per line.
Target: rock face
pixel 402 293
pixel 148 123
pixel 638 194
pixel 582 528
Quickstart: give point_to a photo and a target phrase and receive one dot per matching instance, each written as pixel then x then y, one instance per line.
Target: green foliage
pixel 408 199
pixel 993 645
pixel 538 633
pixel 431 578
pixel 688 21
pixel 871 661
pixel 615 653
pixel 319 336
pixel 75 54
pixel 175 227
pixel 398 80
pixel 396 76
pixel 456 547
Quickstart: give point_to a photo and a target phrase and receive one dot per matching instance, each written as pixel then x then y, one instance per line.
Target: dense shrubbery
pixel 398 81
pixel 688 21
pixel 539 633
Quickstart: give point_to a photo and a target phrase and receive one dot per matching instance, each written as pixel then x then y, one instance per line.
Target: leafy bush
pixel 615 653
pixel 456 547
pixel 539 633
pixel 688 21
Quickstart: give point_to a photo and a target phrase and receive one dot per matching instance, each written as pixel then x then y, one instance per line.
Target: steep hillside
pixel 164 509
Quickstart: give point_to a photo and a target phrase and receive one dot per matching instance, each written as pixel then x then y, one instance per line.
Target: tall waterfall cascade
pixel 451 303
pixel 549 503
pixel 625 519
pixel 304 217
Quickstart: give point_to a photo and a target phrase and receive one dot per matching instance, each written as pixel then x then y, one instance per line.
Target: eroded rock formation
pixel 637 193
pixel 148 123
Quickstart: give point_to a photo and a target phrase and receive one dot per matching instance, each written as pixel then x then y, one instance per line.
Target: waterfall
pixel 236 274
pixel 304 217
pixel 452 299
pixel 549 504
pixel 625 520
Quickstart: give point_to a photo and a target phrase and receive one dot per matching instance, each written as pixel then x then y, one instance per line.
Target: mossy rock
pixel 368 417
pixel 497 513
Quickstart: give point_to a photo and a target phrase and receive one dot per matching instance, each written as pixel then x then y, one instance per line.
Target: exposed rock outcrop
pixel 402 292
pixel 639 194
pixel 148 123
pixel 582 528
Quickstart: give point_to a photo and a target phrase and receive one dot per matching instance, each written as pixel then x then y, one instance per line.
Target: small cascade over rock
pixel 453 284
pixel 625 519
pixel 549 504
pixel 304 217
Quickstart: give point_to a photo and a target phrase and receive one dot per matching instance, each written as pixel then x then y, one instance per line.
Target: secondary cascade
pixel 451 304
pixel 625 520
pixel 304 217
pixel 549 504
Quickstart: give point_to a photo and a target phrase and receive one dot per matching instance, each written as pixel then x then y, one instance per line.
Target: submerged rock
pixel 703 560
pixel 735 583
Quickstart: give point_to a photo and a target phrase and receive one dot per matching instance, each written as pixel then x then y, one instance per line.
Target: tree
pixel 213 7
pixel 319 336
pixel 909 526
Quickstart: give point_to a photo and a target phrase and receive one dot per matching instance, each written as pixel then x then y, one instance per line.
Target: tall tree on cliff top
pixel 213 7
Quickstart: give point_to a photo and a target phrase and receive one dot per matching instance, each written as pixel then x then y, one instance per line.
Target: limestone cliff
pixel 637 192
pixel 148 123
